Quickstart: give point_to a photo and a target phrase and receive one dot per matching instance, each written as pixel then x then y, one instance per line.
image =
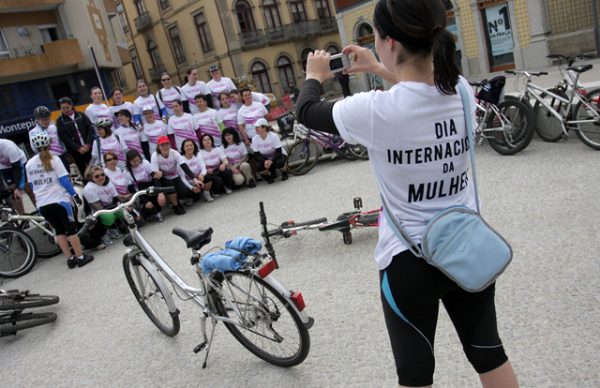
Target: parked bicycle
pixel 559 110
pixel 506 124
pixel 305 152
pixel 263 315
pixel 12 317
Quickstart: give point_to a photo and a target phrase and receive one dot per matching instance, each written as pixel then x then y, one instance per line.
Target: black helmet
pixel 41 112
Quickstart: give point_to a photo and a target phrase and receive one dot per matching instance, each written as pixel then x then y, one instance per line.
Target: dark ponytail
pixel 445 71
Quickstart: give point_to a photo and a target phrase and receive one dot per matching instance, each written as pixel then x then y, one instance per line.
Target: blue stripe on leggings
pixel 387 293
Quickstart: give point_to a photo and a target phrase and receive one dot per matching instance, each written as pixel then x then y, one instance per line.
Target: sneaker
pixel 207 196
pixel 71 262
pixel 114 234
pixel 284 176
pixel 99 247
pixel 188 202
pixel 252 184
pixel 216 195
pixel 179 210
pixel 158 217
pixel 106 240
pixel 228 190
pixel 84 260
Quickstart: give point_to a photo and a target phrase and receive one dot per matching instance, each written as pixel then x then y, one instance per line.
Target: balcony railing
pixel 249 39
pixel 156 72
pixel 328 25
pixel 143 22
pixel 277 34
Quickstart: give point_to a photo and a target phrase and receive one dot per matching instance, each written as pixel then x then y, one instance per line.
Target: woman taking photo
pixel 106 142
pixel 140 173
pixel 216 166
pixel 53 191
pixel 269 155
pixel 237 158
pixel 417 56
pixel 189 150
pixel 165 162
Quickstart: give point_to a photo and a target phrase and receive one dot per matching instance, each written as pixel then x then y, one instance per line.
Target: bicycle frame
pixel 36 220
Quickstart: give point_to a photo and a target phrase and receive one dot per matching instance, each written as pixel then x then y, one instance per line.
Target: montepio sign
pixel 16 126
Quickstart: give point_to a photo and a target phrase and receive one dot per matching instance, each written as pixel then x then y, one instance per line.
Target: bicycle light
pixel 298 300
pixel 266 269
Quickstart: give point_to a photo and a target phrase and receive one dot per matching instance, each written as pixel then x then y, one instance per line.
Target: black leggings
pixel 219 179
pixel 61 217
pixel 277 164
pixel 147 212
pixel 176 182
pixel 416 289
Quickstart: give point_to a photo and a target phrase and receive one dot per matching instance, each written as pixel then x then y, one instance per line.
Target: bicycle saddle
pixel 194 239
pixel 580 69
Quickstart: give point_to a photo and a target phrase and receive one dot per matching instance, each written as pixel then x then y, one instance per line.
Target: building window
pixel 286 72
pixel 122 18
pixel 261 77
pixel 272 18
pixel 49 33
pixel 140 6
pixel 164 4
pixel 154 54
pixel 177 46
pixel 323 11
pixel 4 52
pixel 298 11
pixel 244 15
pixel 303 57
pixel 135 61
pixel 203 32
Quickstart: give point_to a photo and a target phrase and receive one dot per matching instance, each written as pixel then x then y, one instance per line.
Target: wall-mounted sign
pixel 499 30
pixel 14 127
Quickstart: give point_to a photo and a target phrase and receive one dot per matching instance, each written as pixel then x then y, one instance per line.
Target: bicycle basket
pixel 491 91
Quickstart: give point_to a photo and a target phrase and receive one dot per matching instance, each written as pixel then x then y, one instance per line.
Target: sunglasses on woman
pixel 109 159
pixel 98 176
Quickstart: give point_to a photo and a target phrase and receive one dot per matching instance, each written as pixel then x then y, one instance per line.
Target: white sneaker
pixel 216 195
pixel 158 217
pixel 114 234
pixel 228 190
pixel 207 196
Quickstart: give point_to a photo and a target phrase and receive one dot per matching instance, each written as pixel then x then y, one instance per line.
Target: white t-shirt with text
pixel 45 184
pixel 248 115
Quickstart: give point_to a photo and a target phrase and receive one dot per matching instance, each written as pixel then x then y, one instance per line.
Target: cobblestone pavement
pixel 544 200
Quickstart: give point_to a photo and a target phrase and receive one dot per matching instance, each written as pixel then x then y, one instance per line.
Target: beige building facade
pixel 262 43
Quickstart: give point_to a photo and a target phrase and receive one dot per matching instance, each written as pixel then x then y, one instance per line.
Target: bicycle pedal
pixel 199 348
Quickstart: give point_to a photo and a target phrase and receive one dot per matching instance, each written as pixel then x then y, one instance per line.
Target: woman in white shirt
pixel 119 104
pixel 145 99
pixel 189 151
pixel 181 125
pixel 169 93
pixel 417 57
pixel 269 155
pixel 206 119
pixel 248 115
pixel 152 129
pixel 97 110
pixel 237 158
pixel 218 84
pixel 53 190
pixel 227 115
pixel 216 166
pixel 129 136
pixel 194 87
pixel 140 173
pixel 105 142
pixel 118 177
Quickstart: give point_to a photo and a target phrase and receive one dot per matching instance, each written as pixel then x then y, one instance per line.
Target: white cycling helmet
pixel 40 140
pixel 104 123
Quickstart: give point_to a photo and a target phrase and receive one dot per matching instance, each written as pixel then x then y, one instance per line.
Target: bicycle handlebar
pixel 527 74
pixel 287 229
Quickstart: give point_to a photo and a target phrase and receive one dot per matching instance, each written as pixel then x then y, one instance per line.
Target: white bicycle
pixel 264 316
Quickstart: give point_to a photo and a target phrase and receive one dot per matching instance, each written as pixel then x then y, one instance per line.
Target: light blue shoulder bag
pixel 457 240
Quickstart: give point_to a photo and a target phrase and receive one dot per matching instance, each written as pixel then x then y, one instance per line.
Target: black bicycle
pixel 12 317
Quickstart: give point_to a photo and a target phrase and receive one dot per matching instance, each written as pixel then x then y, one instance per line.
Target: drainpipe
pixel 596 26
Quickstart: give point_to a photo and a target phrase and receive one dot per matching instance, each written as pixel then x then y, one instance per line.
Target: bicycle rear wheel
pixel 547 126
pixel 18 253
pixel 518 138
pixel 303 155
pixel 11 323
pixel 150 297
pixel 267 325
pixel 589 133
pixel 20 300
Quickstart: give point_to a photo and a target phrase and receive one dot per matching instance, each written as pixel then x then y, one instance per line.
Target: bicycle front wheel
pixel 22 300
pixel 589 133
pixel 509 142
pixel 302 157
pixel 150 297
pixel 18 253
pixel 268 326
pixel 548 126
pixel 11 323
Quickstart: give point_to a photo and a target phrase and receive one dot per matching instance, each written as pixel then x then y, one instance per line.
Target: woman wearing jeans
pixel 408 121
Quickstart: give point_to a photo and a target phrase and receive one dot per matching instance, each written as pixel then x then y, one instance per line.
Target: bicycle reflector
pixel 266 269
pixel 298 300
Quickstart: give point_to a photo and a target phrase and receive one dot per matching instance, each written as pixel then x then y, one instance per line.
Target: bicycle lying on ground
pixel 559 110
pixel 304 153
pixel 507 124
pixel 353 220
pixel 264 316
pixel 12 317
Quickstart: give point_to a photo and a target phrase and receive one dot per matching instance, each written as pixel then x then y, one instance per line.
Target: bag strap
pixel 398 230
